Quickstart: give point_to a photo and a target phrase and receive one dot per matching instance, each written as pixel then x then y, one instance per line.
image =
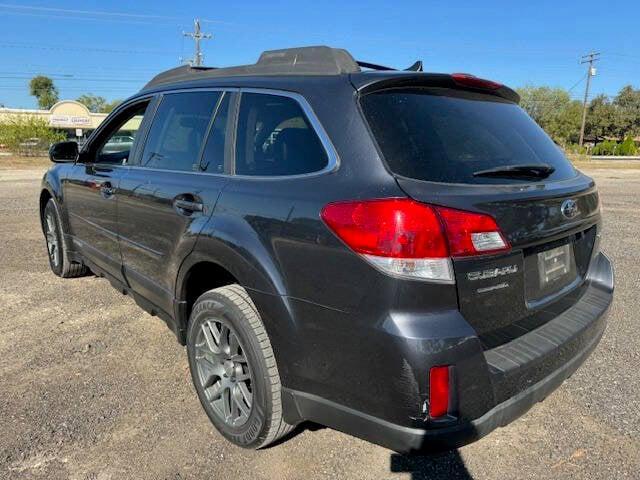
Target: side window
pixel 178 129
pixel 118 144
pixel 275 138
pixel 213 158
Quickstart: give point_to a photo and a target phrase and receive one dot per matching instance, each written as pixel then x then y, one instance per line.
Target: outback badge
pixel 492 273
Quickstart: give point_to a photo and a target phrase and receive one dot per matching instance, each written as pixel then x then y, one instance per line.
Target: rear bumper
pixel 522 372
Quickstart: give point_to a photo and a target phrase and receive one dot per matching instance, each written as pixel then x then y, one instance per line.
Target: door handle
pixel 106 189
pixel 187 207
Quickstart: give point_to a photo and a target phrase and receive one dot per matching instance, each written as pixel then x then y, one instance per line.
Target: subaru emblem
pixel 569 208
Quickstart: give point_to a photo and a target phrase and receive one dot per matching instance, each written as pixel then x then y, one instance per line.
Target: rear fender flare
pixel 254 269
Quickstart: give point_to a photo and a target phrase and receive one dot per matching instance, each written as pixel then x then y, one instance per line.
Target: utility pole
pixel 197 35
pixel 591 72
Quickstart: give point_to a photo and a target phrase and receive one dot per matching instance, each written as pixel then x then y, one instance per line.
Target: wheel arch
pixel 201 272
pixel 45 196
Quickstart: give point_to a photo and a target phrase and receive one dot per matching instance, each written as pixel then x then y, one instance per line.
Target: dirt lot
pixel 93 388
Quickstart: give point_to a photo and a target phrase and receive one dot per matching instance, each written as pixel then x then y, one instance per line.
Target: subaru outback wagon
pixel 399 255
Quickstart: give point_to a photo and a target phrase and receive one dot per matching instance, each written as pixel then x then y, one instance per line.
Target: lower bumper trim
pixel 407 440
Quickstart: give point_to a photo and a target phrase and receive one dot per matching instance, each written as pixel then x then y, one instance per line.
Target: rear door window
pixel 178 130
pixel 213 158
pixel 275 137
pixel 443 135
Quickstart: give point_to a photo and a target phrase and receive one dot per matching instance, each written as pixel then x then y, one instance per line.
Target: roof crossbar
pixel 374 66
pixel 416 67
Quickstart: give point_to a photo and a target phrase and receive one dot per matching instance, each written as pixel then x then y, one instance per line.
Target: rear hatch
pixel 476 150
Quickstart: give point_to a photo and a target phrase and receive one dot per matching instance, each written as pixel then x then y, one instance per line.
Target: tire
pixel 220 366
pixel 57 250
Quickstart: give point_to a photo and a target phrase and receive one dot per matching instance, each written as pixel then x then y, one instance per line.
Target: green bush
pixel 574 148
pixel 628 147
pixel 28 135
pixel 608 147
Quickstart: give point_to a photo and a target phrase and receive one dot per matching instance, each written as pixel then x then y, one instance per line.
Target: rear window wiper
pixel 536 170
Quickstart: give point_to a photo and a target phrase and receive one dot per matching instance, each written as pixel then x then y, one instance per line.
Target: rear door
pixel 91 189
pixel 167 196
pixel 462 149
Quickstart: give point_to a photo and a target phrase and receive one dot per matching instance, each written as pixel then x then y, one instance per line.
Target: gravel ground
pixel 93 388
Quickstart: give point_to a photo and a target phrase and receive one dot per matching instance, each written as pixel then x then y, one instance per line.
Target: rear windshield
pixel 444 135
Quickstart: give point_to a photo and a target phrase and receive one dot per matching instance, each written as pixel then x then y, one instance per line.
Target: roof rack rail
pixel 319 60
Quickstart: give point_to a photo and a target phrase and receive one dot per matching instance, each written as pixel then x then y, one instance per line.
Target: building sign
pixel 68 120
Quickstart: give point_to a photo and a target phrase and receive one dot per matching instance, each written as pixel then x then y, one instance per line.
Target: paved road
pixel 93 388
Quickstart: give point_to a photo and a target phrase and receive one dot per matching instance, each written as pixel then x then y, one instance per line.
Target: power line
pixel 106 80
pixel 156 24
pixel 88 12
pixel 577 83
pixel 76 48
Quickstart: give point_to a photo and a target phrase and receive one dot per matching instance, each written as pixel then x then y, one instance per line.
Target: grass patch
pixel 585 162
pixel 15 162
pixel 608 164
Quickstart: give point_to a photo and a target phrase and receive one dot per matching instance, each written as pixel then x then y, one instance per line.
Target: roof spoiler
pixel 367 84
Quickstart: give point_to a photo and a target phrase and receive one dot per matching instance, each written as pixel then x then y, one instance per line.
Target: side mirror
pixel 62 152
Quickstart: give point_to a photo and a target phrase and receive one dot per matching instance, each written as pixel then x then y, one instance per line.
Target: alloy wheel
pixel 224 372
pixel 51 235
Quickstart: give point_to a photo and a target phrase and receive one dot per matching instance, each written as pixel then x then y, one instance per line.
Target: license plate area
pixel 549 272
pixel 554 264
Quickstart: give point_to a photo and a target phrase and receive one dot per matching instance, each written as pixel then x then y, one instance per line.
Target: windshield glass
pixel 444 135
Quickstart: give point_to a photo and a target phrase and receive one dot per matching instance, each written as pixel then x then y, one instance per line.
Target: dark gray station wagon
pixel 400 255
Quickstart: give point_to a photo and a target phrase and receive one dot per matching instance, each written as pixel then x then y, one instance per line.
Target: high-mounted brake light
pixel 439 392
pixel 468 80
pixel 406 238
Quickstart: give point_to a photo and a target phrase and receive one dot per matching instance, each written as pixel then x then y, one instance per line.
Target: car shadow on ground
pixel 446 465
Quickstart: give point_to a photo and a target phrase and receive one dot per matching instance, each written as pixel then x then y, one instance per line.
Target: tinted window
pixel 446 135
pixel 276 138
pixel 213 158
pixel 118 143
pixel 178 129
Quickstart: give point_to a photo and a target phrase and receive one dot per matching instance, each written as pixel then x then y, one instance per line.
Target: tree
pixel 44 90
pixel 602 119
pixel 94 103
pixel 628 104
pixel 553 110
pixel 97 103
pixel 110 106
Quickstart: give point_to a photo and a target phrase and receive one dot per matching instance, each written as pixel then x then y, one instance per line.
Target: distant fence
pixel 614 157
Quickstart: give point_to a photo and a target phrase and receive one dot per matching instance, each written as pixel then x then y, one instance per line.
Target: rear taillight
pixel 439 392
pixel 468 80
pixel 406 238
pixel 471 233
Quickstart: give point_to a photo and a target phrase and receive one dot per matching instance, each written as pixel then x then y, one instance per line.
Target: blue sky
pixel 112 48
